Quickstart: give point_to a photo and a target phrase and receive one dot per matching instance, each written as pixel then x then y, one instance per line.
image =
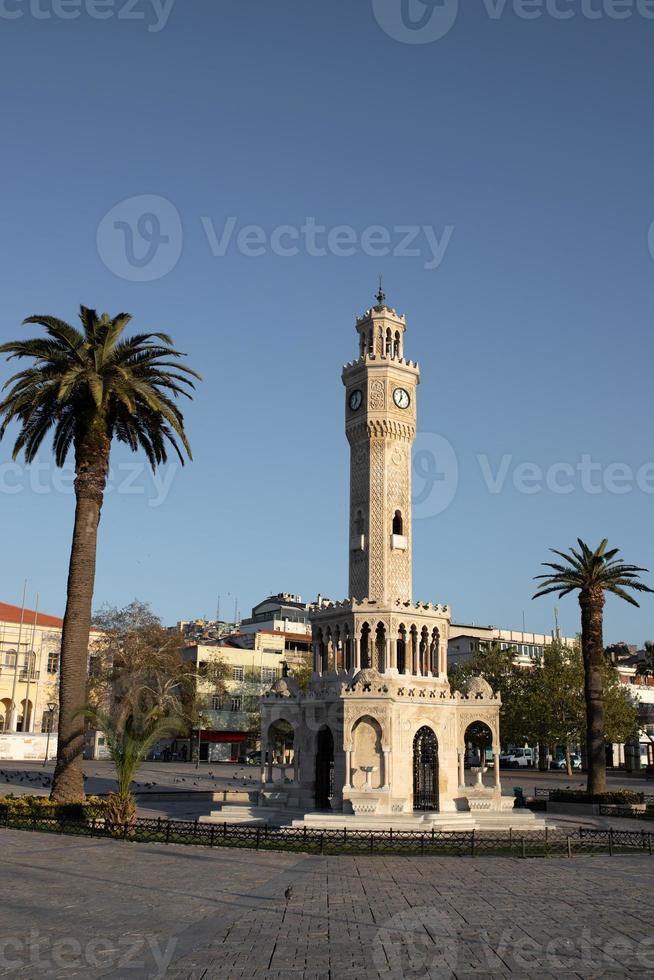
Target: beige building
pixel 465 639
pixel 30 645
pixel 379 734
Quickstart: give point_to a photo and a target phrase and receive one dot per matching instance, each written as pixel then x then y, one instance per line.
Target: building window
pixel 237 673
pixel 217 702
pixel 53 662
pixel 269 674
pixel 236 703
pixel 397 523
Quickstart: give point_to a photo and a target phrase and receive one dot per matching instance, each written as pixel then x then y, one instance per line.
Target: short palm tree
pixel 645 666
pixel 128 739
pixel 90 386
pixel 592 574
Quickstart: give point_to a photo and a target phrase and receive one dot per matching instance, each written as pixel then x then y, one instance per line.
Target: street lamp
pixel 51 708
pixel 200 720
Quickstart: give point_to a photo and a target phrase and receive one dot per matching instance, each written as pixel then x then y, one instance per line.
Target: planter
pixel 575 809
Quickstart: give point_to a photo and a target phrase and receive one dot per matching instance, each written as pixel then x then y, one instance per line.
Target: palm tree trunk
pixel 92 461
pixel 592 648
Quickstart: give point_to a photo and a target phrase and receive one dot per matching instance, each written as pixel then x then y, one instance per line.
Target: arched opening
pixel 397 345
pixel 322 654
pixel 24 716
pixel 398 523
pixel 424 651
pixel 347 648
pixel 367 760
pixel 389 342
pixel 365 646
pixel 434 652
pixel 401 650
pixel 425 769
pixel 5 714
pixel 414 650
pixel 359 524
pixel 380 648
pixel 478 745
pixel 362 344
pixel 281 741
pixel 370 342
pixel 324 769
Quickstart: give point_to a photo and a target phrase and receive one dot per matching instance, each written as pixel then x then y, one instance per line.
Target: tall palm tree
pixel 89 387
pixel 592 574
pixel 645 666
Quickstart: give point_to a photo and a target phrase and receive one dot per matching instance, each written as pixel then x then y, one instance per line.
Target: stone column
pixel 316 657
pixel 462 766
pixel 270 761
pixel 296 761
pixel 496 770
pixel 356 652
pixel 387 768
pixel 348 769
pixel 392 652
pixel 264 747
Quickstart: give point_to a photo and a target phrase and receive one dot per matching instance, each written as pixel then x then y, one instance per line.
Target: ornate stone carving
pixel 377 396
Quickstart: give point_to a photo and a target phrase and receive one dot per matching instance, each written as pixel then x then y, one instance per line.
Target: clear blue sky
pixel 532 139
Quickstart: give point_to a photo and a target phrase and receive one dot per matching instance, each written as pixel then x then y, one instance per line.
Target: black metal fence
pixel 346 841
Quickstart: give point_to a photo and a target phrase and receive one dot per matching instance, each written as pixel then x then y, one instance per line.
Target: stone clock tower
pixel 380 424
pixel 378 734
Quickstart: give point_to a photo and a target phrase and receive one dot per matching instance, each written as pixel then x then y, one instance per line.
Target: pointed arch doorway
pixel 324 769
pixel 425 770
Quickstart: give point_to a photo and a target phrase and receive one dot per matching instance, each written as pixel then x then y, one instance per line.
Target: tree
pixel 496 664
pixel 90 387
pixel 592 574
pixel 645 666
pixel 554 700
pixel 137 665
pixel 129 739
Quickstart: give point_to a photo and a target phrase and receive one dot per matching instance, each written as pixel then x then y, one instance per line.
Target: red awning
pixel 208 736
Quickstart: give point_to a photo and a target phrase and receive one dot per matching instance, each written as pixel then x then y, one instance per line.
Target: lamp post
pixel 200 720
pixel 51 708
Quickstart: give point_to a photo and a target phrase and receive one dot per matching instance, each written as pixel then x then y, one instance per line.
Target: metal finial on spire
pixel 381 295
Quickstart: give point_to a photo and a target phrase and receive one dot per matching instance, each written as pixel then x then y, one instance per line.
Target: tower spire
pixel 381 295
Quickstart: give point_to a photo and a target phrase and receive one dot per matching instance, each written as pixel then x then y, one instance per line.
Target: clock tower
pixel 380 425
pixel 378 732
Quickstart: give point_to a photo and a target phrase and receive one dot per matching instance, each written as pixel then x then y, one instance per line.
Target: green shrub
pixel 42 806
pixel 623 796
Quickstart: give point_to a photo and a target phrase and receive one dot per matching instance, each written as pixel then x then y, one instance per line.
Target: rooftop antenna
pixel 218 610
pixel 557 631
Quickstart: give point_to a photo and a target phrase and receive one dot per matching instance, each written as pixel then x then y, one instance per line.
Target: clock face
pixel 356 400
pixel 401 398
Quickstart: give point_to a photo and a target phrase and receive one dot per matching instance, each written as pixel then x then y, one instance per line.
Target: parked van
pixel 517 758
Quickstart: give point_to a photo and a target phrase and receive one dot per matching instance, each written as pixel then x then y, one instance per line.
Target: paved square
pixel 92 908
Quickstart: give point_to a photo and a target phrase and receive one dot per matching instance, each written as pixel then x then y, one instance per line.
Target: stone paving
pixel 75 907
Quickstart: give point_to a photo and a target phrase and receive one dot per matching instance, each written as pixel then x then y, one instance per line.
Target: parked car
pixel 517 758
pixel 253 759
pixel 559 763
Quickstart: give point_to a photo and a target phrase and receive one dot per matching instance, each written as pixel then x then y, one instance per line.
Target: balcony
pixel 399 542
